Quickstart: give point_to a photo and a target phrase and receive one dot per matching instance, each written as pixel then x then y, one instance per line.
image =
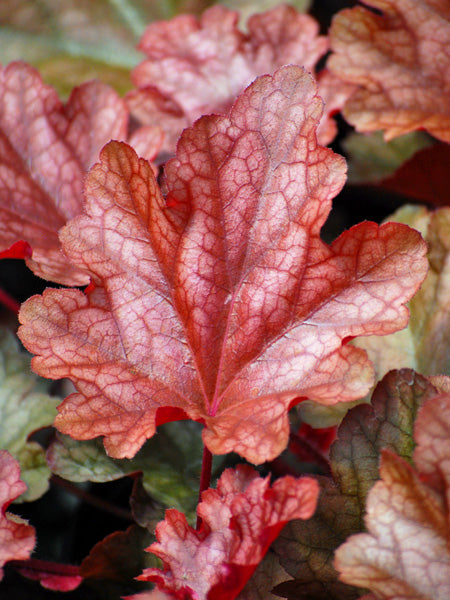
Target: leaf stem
pixel 205 477
pixel 45 566
pixel 95 501
pixel 9 301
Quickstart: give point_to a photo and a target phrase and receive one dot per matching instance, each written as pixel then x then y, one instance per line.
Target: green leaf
pixel 306 548
pixel 170 463
pixel 71 41
pixel 24 408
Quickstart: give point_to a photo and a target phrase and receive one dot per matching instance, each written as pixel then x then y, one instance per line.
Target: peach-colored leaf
pixel 240 519
pixel 17 538
pixel 405 553
pixel 223 302
pixel 199 66
pixel 400 60
pixel 46 148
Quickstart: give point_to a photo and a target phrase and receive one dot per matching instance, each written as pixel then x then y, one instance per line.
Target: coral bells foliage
pixel 240 519
pixel 46 148
pixel 406 550
pixel 400 62
pixel 199 66
pixel 212 299
pixel 220 302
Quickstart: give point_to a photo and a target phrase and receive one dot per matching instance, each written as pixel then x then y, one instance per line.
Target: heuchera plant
pixel 198 294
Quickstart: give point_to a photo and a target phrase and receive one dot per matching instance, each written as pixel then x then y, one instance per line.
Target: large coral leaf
pixel 405 553
pixel 199 66
pixel 240 519
pixel 223 303
pixel 46 149
pixel 401 62
pixel 17 538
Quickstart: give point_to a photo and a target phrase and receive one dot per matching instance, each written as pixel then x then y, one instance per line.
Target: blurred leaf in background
pixel 71 41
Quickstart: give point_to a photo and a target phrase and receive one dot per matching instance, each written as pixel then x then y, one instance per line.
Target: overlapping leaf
pixel 425 344
pixel 224 299
pixel 24 407
pixel 199 66
pixel 17 538
pixel 406 550
pixel 401 62
pixel 170 463
pixel 45 150
pixel 306 548
pixel 240 519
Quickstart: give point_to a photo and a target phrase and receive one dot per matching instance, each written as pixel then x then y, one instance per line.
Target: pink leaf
pixel 226 304
pixel 196 67
pixel 46 149
pixel 17 538
pixel 401 63
pixel 239 522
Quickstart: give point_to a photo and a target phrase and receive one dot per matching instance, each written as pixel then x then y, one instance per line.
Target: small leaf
pixel 400 61
pixel 239 521
pixel 17 538
pixel 225 305
pixel 406 552
pixel 24 408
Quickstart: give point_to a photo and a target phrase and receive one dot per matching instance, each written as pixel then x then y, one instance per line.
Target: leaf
pixel 266 576
pixel 72 42
pixel 223 304
pixel 170 463
pixel 199 66
pixel 400 61
pixel 424 344
pixel 240 519
pixel 424 177
pixel 24 408
pixel 113 563
pixel 45 150
pixel 305 549
pixel 17 538
pixel 371 159
pixel 406 550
